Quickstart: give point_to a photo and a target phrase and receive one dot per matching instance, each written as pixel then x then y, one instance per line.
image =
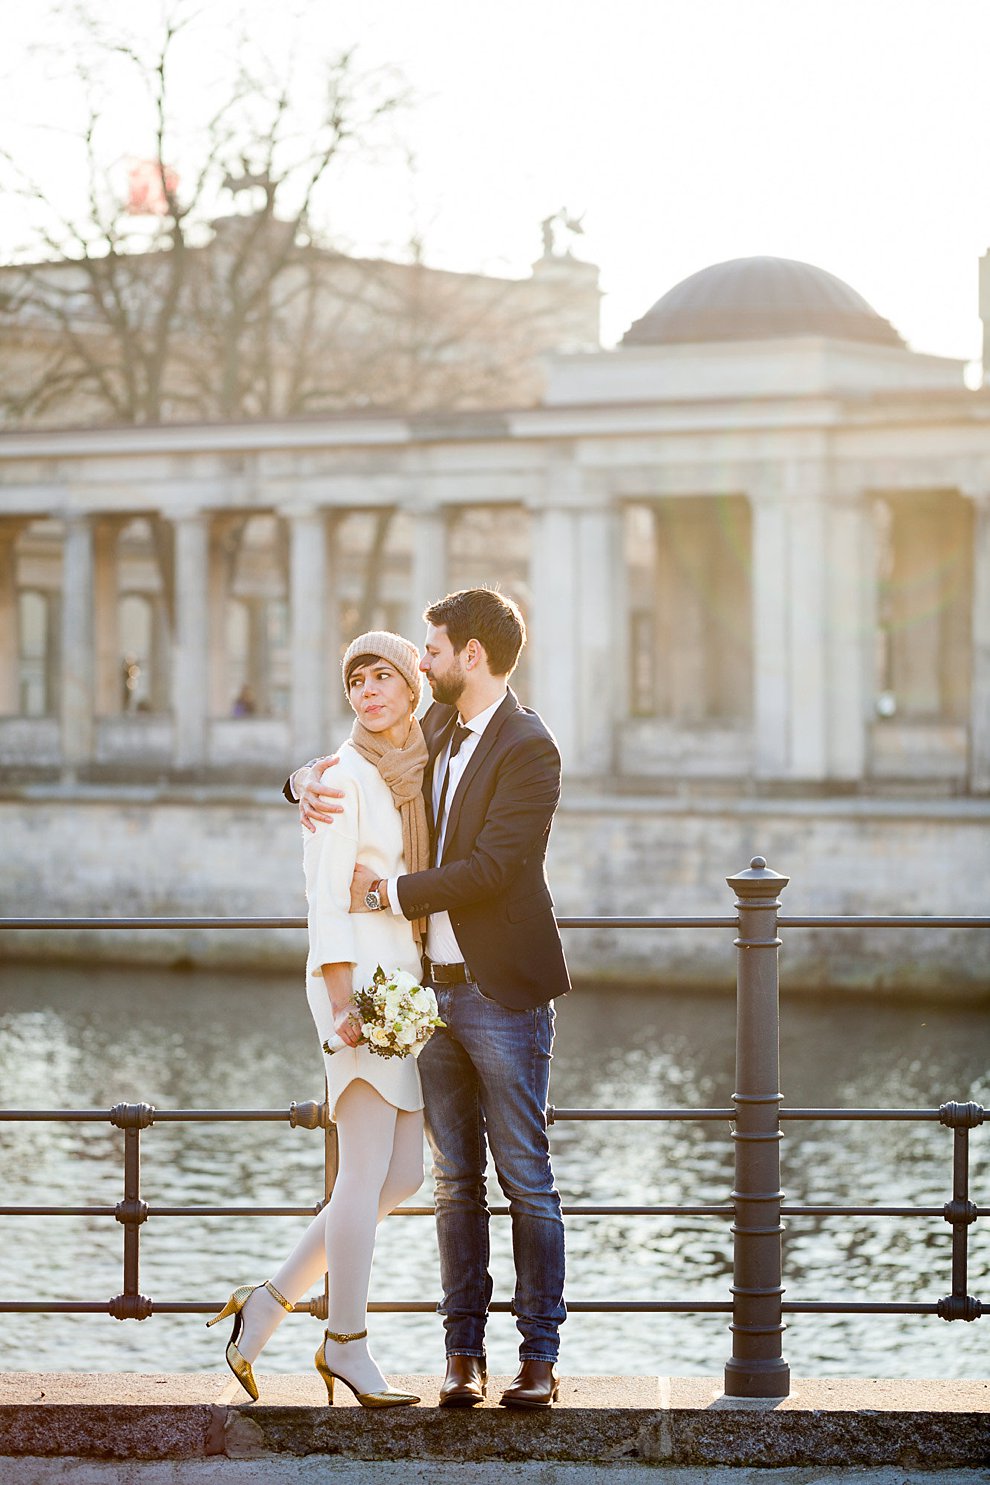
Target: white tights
pixel 380 1161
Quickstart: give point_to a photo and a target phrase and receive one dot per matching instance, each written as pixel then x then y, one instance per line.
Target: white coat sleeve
pixel 329 856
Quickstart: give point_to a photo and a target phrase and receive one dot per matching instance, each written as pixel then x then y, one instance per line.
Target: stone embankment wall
pixel 147 853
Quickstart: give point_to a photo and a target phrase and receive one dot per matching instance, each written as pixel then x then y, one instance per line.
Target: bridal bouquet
pixel 397 1015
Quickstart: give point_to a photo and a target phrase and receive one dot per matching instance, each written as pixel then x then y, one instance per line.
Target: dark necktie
pixel 460 735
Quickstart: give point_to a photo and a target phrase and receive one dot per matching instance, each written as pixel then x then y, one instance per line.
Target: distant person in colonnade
pixel 494 959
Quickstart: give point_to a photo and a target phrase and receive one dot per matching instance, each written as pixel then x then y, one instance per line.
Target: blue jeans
pixel 488 1075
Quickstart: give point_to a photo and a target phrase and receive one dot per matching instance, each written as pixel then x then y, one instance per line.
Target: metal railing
pixel 756 1367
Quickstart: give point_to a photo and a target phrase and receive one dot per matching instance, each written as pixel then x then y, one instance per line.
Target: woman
pixel 375 1102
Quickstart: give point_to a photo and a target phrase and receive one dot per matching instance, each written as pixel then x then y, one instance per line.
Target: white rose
pixel 379 1036
pixel 405 1035
pixel 404 981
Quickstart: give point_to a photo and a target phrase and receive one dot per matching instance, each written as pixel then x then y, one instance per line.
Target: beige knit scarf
pixel 402 770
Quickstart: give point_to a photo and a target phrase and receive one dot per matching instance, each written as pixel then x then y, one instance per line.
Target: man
pixel 494 958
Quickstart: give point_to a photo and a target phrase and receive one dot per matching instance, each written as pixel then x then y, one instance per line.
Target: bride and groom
pixel 430 857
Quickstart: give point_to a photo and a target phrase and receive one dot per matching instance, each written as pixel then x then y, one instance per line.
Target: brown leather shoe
pixel 536 1385
pixel 465 1384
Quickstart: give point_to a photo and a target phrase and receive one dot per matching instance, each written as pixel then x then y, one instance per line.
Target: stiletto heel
pixel 239 1366
pixel 387 1399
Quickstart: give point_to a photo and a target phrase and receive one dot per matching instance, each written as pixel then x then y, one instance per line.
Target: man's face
pixel 442 666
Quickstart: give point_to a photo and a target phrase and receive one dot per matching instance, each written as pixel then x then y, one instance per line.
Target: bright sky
pixel 850 133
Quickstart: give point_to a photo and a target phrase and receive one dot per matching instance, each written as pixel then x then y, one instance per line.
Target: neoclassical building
pixel 752 544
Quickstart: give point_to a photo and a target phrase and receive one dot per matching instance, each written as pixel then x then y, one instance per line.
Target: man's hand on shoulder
pixel 315 797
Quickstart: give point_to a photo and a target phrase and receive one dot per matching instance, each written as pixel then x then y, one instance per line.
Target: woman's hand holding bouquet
pixel 397 1015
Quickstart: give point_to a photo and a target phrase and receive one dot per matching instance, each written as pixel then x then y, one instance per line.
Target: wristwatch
pixel 373 897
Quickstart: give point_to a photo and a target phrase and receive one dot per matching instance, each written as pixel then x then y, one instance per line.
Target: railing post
pixel 131 1304
pixel 757 1367
pixel 960 1211
pixel 317 1116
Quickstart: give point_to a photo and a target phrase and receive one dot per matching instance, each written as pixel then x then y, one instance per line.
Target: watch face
pixel 372 901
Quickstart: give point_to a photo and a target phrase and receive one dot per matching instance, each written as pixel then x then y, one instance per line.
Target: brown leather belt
pixel 449 974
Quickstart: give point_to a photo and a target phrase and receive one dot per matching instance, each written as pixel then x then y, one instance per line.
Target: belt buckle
pixel 450 974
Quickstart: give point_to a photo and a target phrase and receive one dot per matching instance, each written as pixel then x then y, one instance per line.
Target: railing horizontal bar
pixel 144 923
pixel 57 1211
pixel 648 923
pixel 162 1116
pixel 427 1307
pixel 225 1116
pixel 886 922
pixel 568 1211
pixel 169 923
pixel 787 1211
pixel 865 1115
pixel 828 1307
pixel 383 1307
pixel 648 1115
pixel 712 1210
pixel 274 1116
pixel 784 921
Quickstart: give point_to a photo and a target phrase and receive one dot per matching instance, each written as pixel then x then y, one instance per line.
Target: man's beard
pixel 448 689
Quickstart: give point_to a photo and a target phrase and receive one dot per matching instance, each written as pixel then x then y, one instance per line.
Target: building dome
pixel 760 299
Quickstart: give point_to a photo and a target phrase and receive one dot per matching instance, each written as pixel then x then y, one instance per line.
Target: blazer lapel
pixel 437 738
pixel 484 746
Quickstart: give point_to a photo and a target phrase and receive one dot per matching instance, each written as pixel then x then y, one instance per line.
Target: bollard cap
pixel 758 880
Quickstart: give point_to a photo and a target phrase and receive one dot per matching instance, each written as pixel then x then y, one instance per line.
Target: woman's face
pixel 380 696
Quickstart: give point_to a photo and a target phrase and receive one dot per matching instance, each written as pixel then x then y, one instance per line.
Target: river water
pixel 91 1036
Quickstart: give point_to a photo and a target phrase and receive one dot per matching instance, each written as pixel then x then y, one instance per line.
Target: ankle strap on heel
pixel 280 1297
pixel 342 1339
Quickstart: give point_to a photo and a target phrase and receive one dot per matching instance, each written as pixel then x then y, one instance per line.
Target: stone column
pixel 555 559
pixel 106 596
pixel 771 671
pixel 161 642
pixel 259 664
pixel 76 709
pixel 226 535
pixel 9 626
pixel 807 622
pixel 429 565
pixel 596 640
pixel 979 704
pixel 191 643
pixel 308 633
pixel 339 716
pixel 850 635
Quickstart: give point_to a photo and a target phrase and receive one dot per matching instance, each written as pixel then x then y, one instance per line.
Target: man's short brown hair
pixel 487 616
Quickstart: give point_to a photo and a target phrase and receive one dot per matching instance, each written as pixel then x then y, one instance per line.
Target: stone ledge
pixel 662 1420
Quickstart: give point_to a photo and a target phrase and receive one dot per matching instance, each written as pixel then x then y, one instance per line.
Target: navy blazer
pixel 492 880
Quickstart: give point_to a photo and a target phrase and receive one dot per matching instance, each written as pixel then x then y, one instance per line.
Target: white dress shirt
pixel 441 941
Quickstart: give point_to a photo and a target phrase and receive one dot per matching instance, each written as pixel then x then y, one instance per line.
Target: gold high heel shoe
pixel 235 1304
pixel 387 1399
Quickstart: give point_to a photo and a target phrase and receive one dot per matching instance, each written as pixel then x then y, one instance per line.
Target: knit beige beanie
pixel 391 647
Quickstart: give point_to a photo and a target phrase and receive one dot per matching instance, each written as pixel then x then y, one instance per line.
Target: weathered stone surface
pixel 106 1431
pixel 646 1420
pixel 146 852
